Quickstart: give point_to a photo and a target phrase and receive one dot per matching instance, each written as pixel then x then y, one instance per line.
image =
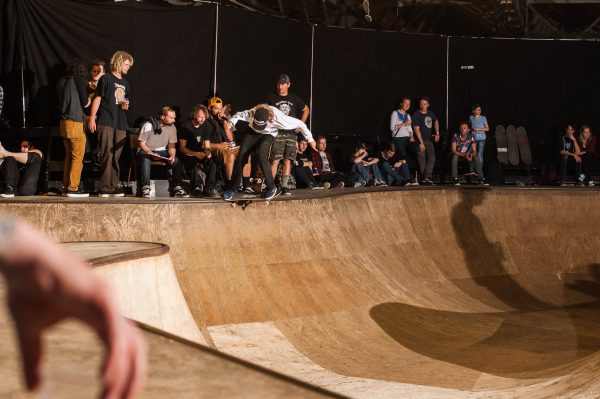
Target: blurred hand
pixel 47 285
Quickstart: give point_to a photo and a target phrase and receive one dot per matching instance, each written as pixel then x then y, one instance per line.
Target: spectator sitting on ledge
pixel 157 143
pixel 323 168
pixel 569 148
pixel 303 167
pixel 587 152
pixel 395 171
pixel 464 147
pixel 366 167
pixel 19 171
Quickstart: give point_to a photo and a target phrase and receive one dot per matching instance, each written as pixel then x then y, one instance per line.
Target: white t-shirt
pixel 396 118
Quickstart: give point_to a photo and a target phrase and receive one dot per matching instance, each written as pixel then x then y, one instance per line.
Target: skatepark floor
pixel 436 292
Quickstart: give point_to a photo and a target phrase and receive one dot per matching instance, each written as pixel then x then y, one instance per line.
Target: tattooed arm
pixel 46 284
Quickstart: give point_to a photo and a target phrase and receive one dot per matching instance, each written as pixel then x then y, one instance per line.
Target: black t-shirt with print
pixel 194 136
pixel 291 105
pixel 216 133
pixel 112 90
pixel 425 123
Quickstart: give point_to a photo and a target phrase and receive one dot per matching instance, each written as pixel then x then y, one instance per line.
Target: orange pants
pixel 74 140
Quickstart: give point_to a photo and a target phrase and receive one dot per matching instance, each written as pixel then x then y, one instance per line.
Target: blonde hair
pixel 581 129
pixel 267 107
pixel 117 60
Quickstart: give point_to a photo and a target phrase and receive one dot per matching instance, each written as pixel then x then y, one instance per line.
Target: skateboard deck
pixel 523 143
pixel 513 146
pixel 501 144
pixel 248 199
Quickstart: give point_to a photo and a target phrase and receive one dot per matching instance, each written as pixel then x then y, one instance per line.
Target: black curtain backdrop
pixel 539 84
pixel 359 74
pixel 254 49
pixel 172 49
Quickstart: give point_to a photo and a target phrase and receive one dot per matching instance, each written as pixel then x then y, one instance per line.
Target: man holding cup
pixel 110 106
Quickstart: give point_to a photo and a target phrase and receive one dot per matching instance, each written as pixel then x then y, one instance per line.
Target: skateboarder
pixel 464 147
pixel 264 121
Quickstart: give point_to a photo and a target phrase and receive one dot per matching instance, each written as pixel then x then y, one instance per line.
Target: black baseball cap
pixel 261 118
pixel 283 78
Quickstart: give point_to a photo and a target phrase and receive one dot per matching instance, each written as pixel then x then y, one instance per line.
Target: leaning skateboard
pixel 523 144
pixel 248 199
pixel 501 144
pixel 513 146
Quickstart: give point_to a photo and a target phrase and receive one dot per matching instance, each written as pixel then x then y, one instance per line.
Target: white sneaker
pixel 591 183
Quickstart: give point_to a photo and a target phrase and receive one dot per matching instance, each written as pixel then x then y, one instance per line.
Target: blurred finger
pixel 30 343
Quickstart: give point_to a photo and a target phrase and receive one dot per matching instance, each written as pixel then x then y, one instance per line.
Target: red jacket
pixel 318 163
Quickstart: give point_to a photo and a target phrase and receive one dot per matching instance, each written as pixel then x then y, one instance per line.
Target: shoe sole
pixel 78 195
pixel 7 195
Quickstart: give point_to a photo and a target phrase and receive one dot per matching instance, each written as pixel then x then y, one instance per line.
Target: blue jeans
pixel 564 162
pixel 365 172
pixel 145 162
pixel 394 176
pixel 480 147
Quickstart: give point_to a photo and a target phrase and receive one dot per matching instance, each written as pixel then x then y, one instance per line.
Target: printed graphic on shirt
pixel 198 138
pixel 119 93
pixel 428 121
pixel 284 106
pixel 464 145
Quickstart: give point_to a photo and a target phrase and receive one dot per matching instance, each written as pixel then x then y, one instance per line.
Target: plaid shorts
pixel 285 145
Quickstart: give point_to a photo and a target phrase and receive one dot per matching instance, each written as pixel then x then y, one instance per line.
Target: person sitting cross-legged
pixel 157 143
pixel 464 147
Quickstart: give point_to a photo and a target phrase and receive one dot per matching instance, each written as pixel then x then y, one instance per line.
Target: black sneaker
pixel 286 191
pixel 197 192
pixel 179 192
pixel 117 193
pixel 104 194
pixel 76 194
pixel 146 192
pixel 7 192
pixel 456 181
pixel 210 192
pixel 482 182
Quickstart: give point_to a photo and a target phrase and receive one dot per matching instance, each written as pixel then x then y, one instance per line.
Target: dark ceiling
pixel 506 18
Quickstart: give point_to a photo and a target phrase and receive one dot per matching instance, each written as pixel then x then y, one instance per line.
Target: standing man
pixel 110 106
pixel 286 140
pixel 264 121
pixel 72 99
pixel 427 129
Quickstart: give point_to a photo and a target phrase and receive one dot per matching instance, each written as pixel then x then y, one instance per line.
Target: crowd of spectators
pixel 219 152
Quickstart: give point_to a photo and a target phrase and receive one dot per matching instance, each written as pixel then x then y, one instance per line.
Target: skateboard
pixel 247 199
pixel 523 144
pixel 501 144
pixel 513 147
pixel 257 184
